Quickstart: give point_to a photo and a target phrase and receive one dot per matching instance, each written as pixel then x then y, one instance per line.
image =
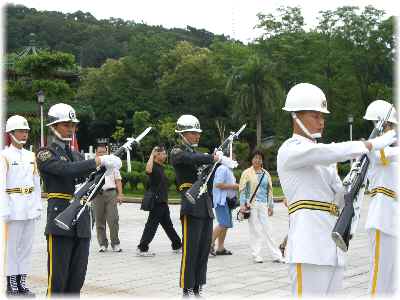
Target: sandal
pixel 282 248
pixel 223 252
pixel 212 251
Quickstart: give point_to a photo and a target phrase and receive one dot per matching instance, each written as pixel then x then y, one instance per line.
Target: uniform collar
pixel 303 138
pixel 12 147
pixel 59 143
pixel 186 146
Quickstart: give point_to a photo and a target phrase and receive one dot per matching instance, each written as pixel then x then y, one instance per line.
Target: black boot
pixel 187 293
pixel 22 288
pixel 198 291
pixel 12 287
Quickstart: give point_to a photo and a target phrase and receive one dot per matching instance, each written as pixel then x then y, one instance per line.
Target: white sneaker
pixel 144 253
pixel 258 259
pixel 116 248
pixel 103 249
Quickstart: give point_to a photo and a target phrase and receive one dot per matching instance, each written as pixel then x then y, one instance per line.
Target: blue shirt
pixel 223 175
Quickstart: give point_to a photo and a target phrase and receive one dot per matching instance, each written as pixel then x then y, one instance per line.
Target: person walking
pixel 255 189
pixel 20 205
pixel 160 213
pixel 106 207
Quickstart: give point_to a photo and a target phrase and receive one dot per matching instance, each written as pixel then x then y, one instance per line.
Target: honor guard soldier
pixel 197 219
pixel 20 204
pixel 312 187
pixel 61 169
pixel 383 213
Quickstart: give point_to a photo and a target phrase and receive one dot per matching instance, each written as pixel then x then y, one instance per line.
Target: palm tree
pixel 255 89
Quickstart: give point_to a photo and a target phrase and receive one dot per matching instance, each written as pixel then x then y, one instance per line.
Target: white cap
pixel 61 112
pixel 306 96
pixel 16 122
pixel 378 110
pixel 187 123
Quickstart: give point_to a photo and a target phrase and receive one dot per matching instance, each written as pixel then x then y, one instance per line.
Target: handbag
pixel 150 199
pixel 232 202
pixel 242 215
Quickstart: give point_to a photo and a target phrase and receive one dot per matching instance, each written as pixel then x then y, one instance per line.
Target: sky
pixel 235 18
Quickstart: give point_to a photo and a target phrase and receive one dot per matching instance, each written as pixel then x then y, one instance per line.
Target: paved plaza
pixel 126 275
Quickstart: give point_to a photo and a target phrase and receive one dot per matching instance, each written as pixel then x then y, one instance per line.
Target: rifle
pixel 89 189
pixel 354 184
pixel 200 186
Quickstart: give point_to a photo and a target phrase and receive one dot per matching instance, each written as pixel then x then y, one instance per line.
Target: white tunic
pixel 18 171
pixel 307 171
pixel 382 175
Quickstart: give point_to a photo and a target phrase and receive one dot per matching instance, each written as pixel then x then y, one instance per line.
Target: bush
pixel 343 169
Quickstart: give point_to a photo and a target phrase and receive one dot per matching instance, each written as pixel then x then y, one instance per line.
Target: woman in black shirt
pixel 160 213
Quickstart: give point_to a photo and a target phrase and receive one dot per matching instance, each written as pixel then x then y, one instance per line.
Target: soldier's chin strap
pixel 58 135
pixel 16 140
pixel 312 136
pixel 187 142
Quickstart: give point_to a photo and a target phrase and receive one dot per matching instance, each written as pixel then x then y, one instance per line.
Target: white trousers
pixel 19 241
pixel 260 231
pixel 315 280
pixel 383 263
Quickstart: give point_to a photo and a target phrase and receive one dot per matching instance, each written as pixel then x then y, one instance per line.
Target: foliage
pixel 119 132
pixel 44 63
pixel 148 75
pixel 255 89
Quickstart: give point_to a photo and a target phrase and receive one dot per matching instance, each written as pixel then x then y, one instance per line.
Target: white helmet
pixel 16 122
pixel 187 123
pixel 306 96
pixel 378 110
pixel 61 112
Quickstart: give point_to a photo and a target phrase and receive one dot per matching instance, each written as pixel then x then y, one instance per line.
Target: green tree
pixel 119 132
pixel 255 89
pixel 192 83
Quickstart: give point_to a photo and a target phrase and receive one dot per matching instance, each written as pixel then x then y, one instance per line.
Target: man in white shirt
pixel 383 213
pixel 310 182
pixel 20 204
pixel 105 207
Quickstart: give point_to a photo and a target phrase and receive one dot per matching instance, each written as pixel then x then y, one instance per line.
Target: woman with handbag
pixel 256 198
pixel 159 211
pixel 224 193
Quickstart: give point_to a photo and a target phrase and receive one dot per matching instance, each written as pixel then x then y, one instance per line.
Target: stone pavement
pixel 126 275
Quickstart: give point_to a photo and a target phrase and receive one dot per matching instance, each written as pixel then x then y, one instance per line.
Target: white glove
pixel 230 163
pixel 219 154
pixel 110 161
pixel 384 140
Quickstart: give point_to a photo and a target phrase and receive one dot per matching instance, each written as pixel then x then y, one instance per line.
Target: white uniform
pixel 381 222
pixel 309 179
pixel 20 205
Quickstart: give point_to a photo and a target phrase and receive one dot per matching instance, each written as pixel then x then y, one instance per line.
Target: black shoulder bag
pixel 150 198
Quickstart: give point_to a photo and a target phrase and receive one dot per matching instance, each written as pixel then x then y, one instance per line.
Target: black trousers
pixel 66 264
pixel 196 236
pixel 159 215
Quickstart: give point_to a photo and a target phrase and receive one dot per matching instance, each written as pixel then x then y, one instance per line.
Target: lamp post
pixel 40 99
pixel 350 120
